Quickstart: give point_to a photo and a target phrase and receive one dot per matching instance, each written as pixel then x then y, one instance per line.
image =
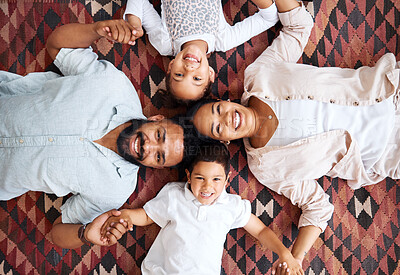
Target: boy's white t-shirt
pixel 192 235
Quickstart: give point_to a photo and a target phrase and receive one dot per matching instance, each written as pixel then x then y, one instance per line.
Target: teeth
pixel 191 59
pixel 237 120
pixel 206 194
pixel 137 145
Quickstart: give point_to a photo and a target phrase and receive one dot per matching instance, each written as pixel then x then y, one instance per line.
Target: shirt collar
pixel 190 197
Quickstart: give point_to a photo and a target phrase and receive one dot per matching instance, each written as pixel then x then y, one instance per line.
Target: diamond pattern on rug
pixel 361 238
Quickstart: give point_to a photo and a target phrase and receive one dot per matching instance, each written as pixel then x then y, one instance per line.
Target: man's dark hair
pixel 170 101
pixel 192 140
pixel 212 152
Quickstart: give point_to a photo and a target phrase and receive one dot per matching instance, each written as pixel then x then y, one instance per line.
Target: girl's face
pixel 224 120
pixel 190 73
pixel 207 181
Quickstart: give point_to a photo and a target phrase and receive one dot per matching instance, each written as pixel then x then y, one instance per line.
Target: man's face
pixel 156 144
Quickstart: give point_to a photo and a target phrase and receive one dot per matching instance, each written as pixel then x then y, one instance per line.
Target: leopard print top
pixel 184 18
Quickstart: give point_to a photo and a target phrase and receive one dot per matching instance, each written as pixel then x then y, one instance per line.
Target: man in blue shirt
pixel 80 133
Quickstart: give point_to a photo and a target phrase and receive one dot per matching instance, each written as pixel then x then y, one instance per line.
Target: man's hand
pixel 93 230
pixel 117 30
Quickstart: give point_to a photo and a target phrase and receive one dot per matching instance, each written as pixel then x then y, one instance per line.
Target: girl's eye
pixel 179 74
pixel 197 78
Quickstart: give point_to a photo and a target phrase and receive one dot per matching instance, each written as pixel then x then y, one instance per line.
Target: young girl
pixel 189 30
pixel 195 217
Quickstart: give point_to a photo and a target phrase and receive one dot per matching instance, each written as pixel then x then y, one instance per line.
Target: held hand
pixel 136 24
pixel 287 265
pixel 93 230
pixel 117 30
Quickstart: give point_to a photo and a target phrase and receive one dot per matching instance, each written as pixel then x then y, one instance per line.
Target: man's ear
pixel 170 66
pixel 227 179
pixel 187 175
pixel 156 118
pixel 212 74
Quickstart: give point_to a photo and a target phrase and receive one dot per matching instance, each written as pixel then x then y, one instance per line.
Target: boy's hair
pixel 170 101
pixel 212 152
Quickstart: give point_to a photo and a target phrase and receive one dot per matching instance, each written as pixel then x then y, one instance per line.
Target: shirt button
pixel 332 101
pixel 21 141
pixel 310 97
pixel 81 139
pixel 378 99
pixel 288 97
pixel 267 97
pixel 355 103
pixel 51 139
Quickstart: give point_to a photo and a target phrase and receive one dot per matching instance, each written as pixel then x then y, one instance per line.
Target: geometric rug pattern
pixel 363 237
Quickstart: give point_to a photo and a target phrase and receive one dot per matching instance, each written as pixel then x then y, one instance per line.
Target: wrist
pixel 82 234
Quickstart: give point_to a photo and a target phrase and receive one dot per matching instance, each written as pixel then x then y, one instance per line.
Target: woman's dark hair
pixel 212 152
pixel 170 101
pixel 192 140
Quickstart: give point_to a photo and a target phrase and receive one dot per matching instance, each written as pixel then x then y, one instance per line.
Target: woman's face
pixel 224 120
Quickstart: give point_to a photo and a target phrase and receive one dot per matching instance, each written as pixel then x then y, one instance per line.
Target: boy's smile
pixel 207 181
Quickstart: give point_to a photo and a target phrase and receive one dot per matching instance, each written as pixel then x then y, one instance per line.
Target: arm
pixel 269 240
pixel 289 45
pixel 231 36
pixel 78 35
pixel 66 235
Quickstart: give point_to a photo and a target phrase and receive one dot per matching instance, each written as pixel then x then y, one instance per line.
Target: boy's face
pixel 207 181
pixel 190 73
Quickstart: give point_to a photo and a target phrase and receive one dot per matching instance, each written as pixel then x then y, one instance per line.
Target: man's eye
pixel 197 78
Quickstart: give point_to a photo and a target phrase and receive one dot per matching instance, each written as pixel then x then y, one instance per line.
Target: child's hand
pixel 113 223
pixel 117 30
pixel 136 24
pixel 287 265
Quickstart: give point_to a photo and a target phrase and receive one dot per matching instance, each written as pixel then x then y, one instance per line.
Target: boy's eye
pixel 197 78
pixel 199 178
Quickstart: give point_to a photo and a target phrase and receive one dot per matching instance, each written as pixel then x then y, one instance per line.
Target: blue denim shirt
pixel 48 124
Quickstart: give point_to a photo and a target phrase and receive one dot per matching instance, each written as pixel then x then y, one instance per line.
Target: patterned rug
pixel 363 235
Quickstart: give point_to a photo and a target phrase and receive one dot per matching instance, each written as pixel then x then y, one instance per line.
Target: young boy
pixel 189 30
pixel 195 217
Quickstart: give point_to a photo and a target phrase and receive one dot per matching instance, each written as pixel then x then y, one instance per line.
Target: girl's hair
pixel 212 152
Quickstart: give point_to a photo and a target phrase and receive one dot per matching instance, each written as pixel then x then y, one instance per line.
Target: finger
pixel 111 239
pixel 121 228
pixel 115 212
pixel 127 33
